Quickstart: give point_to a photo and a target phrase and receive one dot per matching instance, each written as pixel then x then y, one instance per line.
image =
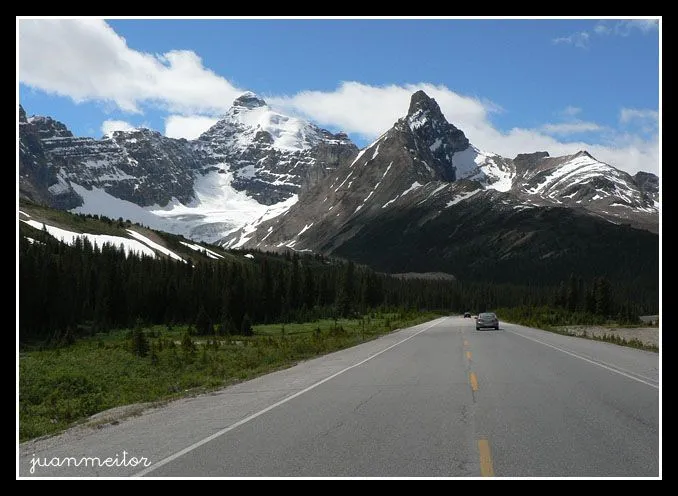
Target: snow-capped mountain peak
pixel 249 100
pixel 250 120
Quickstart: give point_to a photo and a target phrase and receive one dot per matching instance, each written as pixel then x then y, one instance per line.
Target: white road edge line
pixel 611 369
pixel 223 431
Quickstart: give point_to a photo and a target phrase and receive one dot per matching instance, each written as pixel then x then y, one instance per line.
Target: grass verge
pixel 62 387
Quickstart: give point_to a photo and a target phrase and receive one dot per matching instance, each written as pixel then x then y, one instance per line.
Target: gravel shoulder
pixel 646 335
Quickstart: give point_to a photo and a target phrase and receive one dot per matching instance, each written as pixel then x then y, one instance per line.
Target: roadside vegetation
pixel 556 319
pixel 62 386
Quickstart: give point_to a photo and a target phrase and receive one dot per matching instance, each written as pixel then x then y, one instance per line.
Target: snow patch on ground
pixel 130 246
pixel 462 197
pixel 202 249
pixel 360 154
pixel 154 245
pixel 306 228
pixel 415 185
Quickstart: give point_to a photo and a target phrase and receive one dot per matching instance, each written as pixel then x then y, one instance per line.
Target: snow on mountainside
pixel 250 165
pixel 250 116
pixel 132 238
pixel 581 181
pixel 140 245
pixel 235 181
pixel 270 155
pixel 424 162
pixel 490 169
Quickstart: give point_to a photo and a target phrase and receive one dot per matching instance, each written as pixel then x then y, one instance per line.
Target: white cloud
pixel 571 111
pixel 371 110
pixel 627 115
pixel 625 28
pixel 602 29
pixel 564 128
pixel 579 39
pixel 84 59
pixel 626 152
pixel 107 127
pixel 582 39
pixel 189 127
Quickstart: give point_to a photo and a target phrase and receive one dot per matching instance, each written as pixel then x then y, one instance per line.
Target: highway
pixel 436 400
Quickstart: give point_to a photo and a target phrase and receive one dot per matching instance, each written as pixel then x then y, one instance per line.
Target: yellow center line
pixel 468 355
pixel 486 468
pixel 474 381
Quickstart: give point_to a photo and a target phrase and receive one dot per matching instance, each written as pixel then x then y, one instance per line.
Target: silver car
pixel 487 319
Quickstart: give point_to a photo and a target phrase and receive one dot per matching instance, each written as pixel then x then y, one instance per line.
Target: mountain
pixel 581 181
pixel 251 164
pixel 422 198
pixel 648 184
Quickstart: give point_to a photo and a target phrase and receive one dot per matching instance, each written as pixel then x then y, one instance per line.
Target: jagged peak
pixel 249 100
pixel 420 101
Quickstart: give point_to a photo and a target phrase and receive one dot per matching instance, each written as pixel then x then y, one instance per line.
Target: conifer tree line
pixel 69 290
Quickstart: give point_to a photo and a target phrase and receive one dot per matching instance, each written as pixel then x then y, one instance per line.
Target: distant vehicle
pixel 467 315
pixel 487 319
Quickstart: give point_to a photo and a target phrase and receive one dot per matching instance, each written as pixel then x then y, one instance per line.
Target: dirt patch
pixel 115 415
pixel 647 335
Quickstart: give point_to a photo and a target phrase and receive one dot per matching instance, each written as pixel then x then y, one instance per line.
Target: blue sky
pixel 512 85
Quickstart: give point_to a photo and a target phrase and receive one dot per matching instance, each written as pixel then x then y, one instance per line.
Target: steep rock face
pixel 140 166
pixel 649 184
pixel 38 178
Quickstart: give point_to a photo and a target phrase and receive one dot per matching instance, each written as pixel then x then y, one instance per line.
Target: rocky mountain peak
pixel 22 114
pixel 429 125
pixel 249 101
pixel 584 153
pixel 420 101
pixel 529 161
pixel 648 183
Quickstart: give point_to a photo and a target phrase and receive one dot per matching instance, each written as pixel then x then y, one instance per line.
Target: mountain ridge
pixel 260 179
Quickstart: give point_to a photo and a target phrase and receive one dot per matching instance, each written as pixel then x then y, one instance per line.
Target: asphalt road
pixel 435 400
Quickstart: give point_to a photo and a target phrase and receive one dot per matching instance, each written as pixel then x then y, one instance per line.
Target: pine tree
pixel 140 344
pixel 602 296
pixel 246 326
pixel 203 323
pixel 345 296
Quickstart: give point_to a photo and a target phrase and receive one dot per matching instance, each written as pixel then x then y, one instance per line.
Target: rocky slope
pixel 422 198
pixel 250 160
